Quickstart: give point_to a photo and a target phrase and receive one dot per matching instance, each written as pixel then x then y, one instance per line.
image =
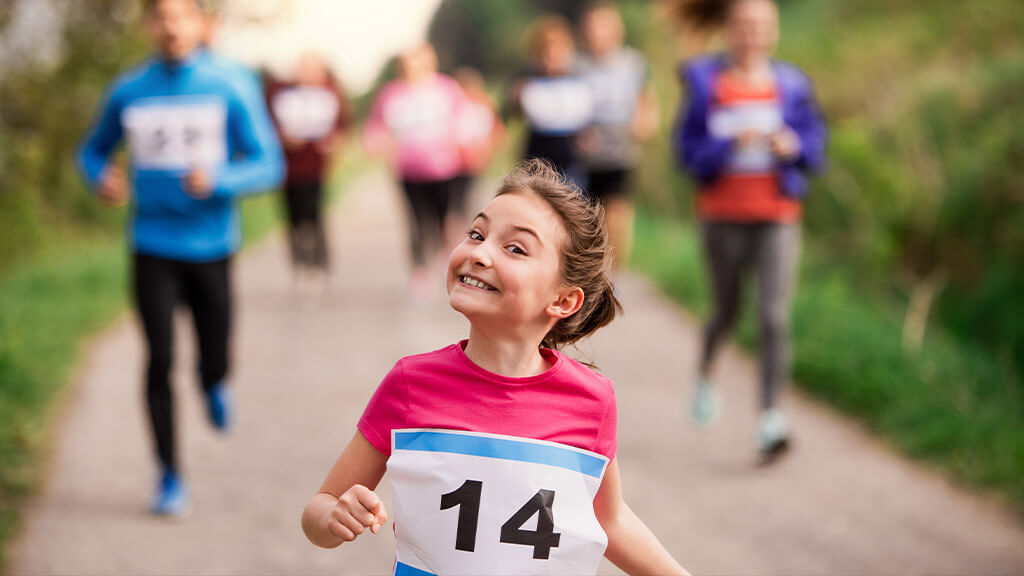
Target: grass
pixel 48 309
pixel 951 403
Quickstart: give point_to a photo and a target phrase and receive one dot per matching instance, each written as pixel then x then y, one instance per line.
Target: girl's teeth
pixel 474 283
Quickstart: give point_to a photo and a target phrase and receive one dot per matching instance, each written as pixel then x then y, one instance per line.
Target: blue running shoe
pixel 172 497
pixel 218 406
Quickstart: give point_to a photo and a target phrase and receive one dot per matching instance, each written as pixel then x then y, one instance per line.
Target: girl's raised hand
pixel 357 509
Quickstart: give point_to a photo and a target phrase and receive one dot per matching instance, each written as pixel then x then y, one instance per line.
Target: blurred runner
pixel 748 134
pixel 312 115
pixel 480 134
pixel 194 144
pixel 554 101
pixel 413 123
pixel 625 111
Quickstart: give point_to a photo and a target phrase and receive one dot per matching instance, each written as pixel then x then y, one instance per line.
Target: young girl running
pixel 500 449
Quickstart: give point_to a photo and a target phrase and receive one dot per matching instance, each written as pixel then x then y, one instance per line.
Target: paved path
pixel 841 503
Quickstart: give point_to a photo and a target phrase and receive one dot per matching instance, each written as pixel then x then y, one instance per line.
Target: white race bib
pixel 176 134
pixel 305 113
pixel 557 105
pixel 480 504
pixel 476 124
pixel 615 96
pixel 730 121
pixel 421 115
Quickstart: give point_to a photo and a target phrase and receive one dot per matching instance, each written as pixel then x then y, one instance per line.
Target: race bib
pixel 730 121
pixel 306 113
pixel 420 116
pixel 476 124
pixel 557 106
pixel 480 504
pixel 176 134
pixel 615 96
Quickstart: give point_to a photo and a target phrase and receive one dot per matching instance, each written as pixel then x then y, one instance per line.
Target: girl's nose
pixel 480 256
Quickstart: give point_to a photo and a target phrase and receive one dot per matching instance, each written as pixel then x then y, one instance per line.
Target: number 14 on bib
pixel 470 503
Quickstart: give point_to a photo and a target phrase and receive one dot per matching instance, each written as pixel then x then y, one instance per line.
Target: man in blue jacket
pixel 195 145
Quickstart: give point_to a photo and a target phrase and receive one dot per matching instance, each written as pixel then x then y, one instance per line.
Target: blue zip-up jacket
pixel 176 117
pixel 705 156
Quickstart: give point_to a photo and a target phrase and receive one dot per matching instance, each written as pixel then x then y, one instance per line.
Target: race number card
pixel 306 113
pixel 763 117
pixel 557 106
pixel 423 115
pixel 479 504
pixel 178 133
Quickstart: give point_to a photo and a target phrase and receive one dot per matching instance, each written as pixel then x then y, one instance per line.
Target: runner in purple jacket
pixel 748 134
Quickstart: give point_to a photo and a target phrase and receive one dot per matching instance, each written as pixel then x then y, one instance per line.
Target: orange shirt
pixel 747 190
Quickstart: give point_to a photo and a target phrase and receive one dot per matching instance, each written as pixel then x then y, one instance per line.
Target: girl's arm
pixel 346 504
pixel 631 545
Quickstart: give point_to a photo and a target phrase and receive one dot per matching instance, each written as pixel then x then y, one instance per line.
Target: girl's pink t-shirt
pixel 419 122
pixel 569 403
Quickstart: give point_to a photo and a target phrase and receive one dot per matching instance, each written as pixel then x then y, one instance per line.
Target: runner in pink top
pixel 500 450
pixel 413 123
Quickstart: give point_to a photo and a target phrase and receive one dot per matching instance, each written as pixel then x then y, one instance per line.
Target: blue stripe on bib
pixel 406 570
pixel 502 448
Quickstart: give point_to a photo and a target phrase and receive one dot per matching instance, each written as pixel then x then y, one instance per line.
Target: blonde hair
pixel 586 256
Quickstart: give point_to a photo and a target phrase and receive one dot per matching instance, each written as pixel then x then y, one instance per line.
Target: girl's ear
pixel 567 303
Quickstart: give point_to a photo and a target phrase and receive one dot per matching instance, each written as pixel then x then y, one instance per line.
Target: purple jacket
pixel 704 156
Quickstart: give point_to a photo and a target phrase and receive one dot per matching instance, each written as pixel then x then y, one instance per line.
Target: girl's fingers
pixel 369 500
pixel 363 516
pixel 338 529
pixel 352 524
pixel 365 507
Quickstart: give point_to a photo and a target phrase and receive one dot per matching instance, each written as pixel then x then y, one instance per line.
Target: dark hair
pixel 205 6
pixel 586 256
pixel 538 32
pixel 701 15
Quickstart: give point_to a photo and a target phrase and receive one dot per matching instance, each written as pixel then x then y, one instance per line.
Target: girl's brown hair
pixel 586 256
pixel 701 15
pixel 541 29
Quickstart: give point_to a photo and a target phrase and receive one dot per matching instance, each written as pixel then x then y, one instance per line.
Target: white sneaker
pixel 772 435
pixel 704 408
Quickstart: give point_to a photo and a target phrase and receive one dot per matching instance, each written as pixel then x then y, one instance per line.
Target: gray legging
pixel 774 250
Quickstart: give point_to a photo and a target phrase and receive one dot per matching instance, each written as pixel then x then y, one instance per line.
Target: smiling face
pixel 507 272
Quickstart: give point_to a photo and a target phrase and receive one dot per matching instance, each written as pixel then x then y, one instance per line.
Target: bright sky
pixel 356 36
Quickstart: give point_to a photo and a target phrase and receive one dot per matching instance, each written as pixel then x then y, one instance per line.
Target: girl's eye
pixel 516 250
pixel 474 235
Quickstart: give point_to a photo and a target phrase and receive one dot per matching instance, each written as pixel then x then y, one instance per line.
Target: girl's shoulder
pixel 585 376
pixel 441 356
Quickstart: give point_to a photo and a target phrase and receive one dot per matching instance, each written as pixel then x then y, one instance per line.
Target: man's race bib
pixel 557 106
pixel 176 133
pixel 471 503
pixel 305 113
pixel 730 121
